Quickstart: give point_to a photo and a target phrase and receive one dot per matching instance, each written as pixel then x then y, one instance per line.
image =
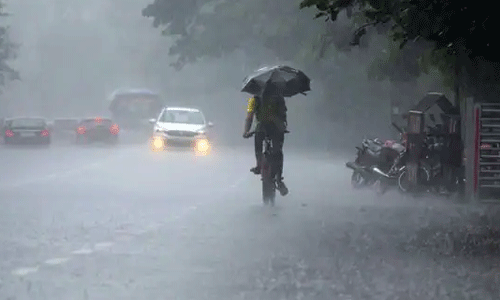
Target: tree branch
pixel 358 33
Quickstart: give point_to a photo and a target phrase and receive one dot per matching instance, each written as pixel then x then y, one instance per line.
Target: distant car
pixel 97 130
pixel 181 126
pixel 26 130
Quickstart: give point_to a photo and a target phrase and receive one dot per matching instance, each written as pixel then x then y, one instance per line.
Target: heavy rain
pixel 141 145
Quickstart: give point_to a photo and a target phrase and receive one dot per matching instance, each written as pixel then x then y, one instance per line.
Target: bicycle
pixel 268 171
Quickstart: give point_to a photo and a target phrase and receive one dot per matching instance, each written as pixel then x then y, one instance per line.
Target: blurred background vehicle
pixel 132 108
pixel 26 130
pixel 97 129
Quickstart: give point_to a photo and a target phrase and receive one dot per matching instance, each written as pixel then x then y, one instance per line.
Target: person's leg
pixel 258 143
pixel 278 139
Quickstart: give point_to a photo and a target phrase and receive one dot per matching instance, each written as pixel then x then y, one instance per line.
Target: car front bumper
pixel 161 141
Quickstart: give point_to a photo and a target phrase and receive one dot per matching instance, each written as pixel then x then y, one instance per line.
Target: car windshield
pixel 183 116
pixel 27 122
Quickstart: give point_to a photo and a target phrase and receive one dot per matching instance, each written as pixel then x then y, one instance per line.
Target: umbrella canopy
pixel 290 81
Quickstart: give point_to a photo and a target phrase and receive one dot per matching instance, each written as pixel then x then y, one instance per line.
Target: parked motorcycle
pixel 432 177
pixel 378 162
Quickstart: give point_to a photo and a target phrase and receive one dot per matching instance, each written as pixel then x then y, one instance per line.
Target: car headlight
pixel 157 143
pixel 202 146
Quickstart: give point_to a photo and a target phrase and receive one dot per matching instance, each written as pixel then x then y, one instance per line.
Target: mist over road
pixel 126 223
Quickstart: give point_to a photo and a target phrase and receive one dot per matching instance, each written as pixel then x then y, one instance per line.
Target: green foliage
pixel 7 52
pixel 458 34
pixel 460 26
pixel 211 29
pixel 397 65
pixel 216 28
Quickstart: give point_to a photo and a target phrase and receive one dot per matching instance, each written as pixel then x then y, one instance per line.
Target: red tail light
pixel 485 146
pixel 114 129
pixel 9 133
pixel 81 130
pixel 45 133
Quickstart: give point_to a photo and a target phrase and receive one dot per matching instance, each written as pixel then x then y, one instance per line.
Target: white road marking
pixel 140 231
pixel 154 226
pixel 83 251
pixel 46 178
pixel 103 245
pixel 61 174
pixel 124 235
pixel 203 271
pixel 24 271
pixel 130 232
pixel 124 238
pixel 56 261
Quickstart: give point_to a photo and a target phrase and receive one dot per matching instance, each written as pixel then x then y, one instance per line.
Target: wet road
pixel 126 223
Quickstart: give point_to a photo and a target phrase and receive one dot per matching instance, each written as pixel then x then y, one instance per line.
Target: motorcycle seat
pixel 374 152
pixel 373 146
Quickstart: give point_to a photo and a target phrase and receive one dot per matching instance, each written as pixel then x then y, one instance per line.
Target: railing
pixel 488 153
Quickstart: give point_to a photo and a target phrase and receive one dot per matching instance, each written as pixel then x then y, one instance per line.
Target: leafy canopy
pixel 459 26
pixel 214 28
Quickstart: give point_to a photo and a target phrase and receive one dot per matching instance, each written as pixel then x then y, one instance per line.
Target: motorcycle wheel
pixel 423 173
pixel 381 186
pixel 357 180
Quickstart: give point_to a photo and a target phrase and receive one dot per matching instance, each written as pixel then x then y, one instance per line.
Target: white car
pixel 178 126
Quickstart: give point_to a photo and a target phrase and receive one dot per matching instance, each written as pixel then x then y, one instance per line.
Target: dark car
pixel 26 130
pixel 97 130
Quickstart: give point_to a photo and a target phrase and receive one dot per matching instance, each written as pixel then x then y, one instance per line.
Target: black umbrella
pixel 291 81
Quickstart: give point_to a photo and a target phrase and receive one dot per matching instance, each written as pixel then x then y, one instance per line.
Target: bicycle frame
pixel 268 170
pixel 268 162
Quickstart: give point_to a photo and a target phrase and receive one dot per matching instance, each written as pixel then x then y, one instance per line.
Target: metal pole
pixel 476 153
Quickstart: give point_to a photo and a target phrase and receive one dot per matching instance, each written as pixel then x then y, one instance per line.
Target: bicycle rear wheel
pixel 268 184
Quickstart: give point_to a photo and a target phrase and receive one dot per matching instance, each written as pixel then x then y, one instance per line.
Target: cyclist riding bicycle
pixel 270 114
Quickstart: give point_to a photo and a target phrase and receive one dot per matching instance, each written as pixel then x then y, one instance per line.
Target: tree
pixel 7 52
pixel 216 28
pixel 460 33
pixel 457 26
pixel 212 29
